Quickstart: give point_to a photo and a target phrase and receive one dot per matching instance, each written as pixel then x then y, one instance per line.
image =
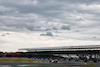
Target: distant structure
pixel 64 48
pixel 86 52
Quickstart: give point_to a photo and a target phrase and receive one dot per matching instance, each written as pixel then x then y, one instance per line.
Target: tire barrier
pixel 64 59
pixel 96 61
pixel 86 60
pixel 70 59
pixel 40 58
pixel 59 59
pixel 78 60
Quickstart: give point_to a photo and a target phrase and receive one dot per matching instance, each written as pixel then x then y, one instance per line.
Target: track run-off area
pixel 26 62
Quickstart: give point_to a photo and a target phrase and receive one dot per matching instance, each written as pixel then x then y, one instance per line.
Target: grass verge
pixel 19 59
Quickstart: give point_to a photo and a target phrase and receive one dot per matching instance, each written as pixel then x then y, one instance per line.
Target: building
pixel 86 51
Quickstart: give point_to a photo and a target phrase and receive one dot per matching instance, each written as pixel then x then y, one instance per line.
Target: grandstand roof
pixel 84 47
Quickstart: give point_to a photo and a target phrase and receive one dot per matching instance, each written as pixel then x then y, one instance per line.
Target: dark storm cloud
pixel 65 27
pixel 52 8
pixel 47 34
pixel 54 28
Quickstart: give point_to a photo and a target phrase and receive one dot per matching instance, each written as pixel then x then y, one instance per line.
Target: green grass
pixel 18 59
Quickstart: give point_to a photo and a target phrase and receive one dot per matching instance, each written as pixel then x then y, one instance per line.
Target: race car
pixel 53 61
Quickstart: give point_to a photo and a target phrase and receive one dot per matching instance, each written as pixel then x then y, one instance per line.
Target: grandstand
pixel 64 48
pixel 1 54
pixel 91 52
pixel 85 52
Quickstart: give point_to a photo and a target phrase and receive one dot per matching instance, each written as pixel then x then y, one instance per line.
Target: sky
pixel 48 23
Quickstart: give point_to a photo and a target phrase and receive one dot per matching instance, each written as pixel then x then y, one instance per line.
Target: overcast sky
pixel 48 23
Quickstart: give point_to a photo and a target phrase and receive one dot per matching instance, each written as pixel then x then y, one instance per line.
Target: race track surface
pixel 7 64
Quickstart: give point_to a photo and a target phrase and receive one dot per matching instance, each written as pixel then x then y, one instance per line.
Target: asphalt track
pixel 10 64
pixel 35 63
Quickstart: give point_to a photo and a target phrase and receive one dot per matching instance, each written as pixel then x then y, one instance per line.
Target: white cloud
pixel 69 21
pixel 3 8
pixel 28 40
pixel 91 7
